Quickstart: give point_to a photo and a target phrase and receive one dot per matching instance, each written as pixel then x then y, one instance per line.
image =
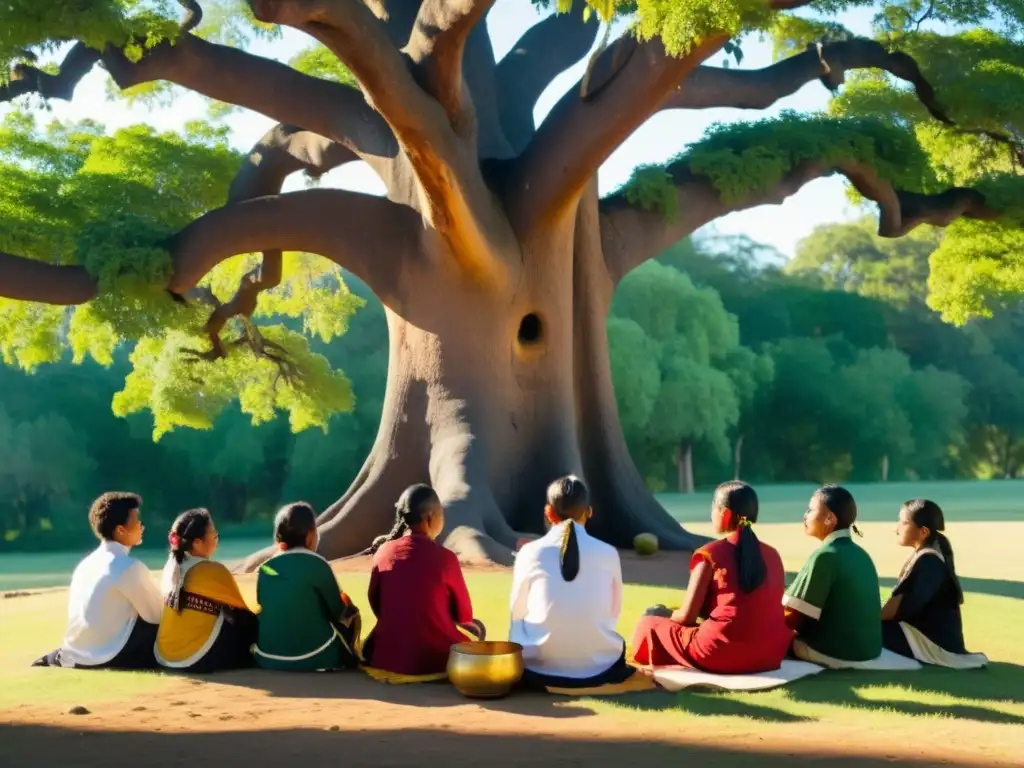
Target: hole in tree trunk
pixel 531 330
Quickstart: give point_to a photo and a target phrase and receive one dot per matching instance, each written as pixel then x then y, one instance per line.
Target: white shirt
pixel 567 628
pixel 110 589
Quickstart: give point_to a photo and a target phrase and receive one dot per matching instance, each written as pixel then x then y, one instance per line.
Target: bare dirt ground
pixel 265 718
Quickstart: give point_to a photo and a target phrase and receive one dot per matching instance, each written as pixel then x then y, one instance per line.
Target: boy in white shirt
pixel 114 605
pixel 566 598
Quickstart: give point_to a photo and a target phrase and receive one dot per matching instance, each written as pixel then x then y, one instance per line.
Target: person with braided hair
pixel 206 625
pixel 566 598
pixel 417 592
pixel 732 622
pixel 922 618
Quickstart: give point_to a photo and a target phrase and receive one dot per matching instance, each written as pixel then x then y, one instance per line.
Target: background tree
pixel 498 217
pixel 672 343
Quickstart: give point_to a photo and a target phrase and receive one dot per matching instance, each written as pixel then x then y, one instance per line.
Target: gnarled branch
pixel 628 83
pixel 436 46
pixel 538 57
pixel 268 87
pixel 630 236
pixel 27 79
pixel 282 151
pixel 455 199
pixel 370 236
pixel 709 87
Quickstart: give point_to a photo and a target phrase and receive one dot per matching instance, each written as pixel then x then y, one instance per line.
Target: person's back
pixel 417 592
pixel 849 627
pixel 744 631
pixel 567 628
pixel 100 615
pixel 113 604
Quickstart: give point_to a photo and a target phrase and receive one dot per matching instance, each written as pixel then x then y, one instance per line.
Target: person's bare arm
pixel 891 608
pixel 696 592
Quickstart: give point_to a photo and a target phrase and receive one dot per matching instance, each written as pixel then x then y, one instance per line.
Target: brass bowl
pixel 485 669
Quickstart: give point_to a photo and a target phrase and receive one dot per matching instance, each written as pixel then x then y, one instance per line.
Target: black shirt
pixel 931 603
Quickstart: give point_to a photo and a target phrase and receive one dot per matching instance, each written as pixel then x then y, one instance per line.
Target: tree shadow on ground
pixel 354 685
pixel 26 745
pixel 704 703
pixel 999 683
pixel 995 587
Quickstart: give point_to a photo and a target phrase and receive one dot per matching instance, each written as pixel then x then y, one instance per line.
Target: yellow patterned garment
pixel 184 638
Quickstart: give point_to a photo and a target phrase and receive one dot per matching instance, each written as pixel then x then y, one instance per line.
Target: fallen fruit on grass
pixel 645 544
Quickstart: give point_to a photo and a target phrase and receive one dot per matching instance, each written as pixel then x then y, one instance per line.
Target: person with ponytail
pixel 566 598
pixel 306 623
pixel 732 621
pixel 834 605
pixel 417 592
pixel 922 618
pixel 206 625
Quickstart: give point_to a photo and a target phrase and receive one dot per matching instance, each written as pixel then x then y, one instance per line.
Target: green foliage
pixel 744 159
pixel 110 203
pixel 318 61
pixel 651 188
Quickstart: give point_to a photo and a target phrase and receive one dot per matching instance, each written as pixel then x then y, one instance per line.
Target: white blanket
pixel 678 678
pixel 887 662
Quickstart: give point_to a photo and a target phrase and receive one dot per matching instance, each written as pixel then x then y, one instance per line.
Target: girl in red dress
pixel 417 592
pixel 736 587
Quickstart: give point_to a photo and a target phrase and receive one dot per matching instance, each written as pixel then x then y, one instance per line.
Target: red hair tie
pixel 174 540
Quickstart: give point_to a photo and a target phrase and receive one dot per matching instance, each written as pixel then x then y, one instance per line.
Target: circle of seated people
pixel 739 625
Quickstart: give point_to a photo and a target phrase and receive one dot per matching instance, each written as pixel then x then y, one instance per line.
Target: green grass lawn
pixel 982 707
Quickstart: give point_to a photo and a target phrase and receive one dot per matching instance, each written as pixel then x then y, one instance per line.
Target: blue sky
pixel 662 137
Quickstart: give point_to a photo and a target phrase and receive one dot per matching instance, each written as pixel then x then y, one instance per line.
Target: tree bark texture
pixel 492 255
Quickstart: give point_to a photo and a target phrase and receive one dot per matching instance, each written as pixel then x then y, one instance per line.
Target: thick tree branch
pixel 632 236
pixel 29 280
pixel 369 236
pixel 538 57
pixel 628 83
pixel 709 87
pixel 283 151
pixel 456 201
pixel 27 79
pixel 268 87
pixel 436 46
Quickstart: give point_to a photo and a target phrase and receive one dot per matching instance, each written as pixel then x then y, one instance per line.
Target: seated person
pixel 417 592
pixel 834 604
pixel 566 598
pixel 113 604
pixel 306 622
pixel 922 618
pixel 206 625
pixel 736 587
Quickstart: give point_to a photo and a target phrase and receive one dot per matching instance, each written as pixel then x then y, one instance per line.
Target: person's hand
pixel 475 627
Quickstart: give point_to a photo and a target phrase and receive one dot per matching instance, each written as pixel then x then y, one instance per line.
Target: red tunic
pixel 418 594
pixel 741 634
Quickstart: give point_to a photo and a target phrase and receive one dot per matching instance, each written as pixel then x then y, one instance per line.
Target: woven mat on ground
pixel 635 684
pixel 678 678
pixel 887 662
pixel 394 678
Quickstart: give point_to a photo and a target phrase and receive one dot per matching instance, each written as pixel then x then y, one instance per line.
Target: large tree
pixel 492 253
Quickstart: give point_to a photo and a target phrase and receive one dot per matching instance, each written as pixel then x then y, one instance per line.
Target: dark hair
pixel 413 505
pixel 742 500
pixel 840 503
pixel 111 510
pixel 292 524
pixel 189 527
pixel 569 499
pixel 928 514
